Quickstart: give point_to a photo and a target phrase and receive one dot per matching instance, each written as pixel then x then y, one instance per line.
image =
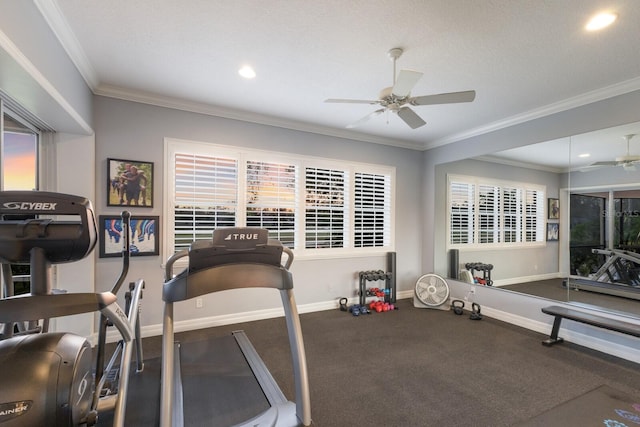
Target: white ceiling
pixel 525 58
pixel 577 152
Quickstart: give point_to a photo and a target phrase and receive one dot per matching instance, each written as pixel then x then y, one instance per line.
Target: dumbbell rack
pixel 486 272
pixel 374 276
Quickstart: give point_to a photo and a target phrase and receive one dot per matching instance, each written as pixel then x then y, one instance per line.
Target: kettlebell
pixel 475 312
pixel 457 306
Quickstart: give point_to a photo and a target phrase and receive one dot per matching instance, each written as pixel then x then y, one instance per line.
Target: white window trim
pixel 498 183
pixel 173 145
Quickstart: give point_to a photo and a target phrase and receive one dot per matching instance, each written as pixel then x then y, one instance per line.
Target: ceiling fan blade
pixel 351 101
pixel 411 118
pixel 365 118
pixel 406 80
pixel 444 98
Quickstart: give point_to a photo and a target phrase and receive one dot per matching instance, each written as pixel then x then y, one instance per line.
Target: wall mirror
pixel 592 184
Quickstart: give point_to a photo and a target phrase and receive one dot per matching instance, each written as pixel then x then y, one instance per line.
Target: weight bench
pixel 587 318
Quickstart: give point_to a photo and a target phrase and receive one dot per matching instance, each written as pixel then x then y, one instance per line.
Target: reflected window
pixel 484 213
pixel 587 224
pixel 627 224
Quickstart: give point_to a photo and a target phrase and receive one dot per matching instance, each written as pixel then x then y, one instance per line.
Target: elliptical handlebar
pixel 126 254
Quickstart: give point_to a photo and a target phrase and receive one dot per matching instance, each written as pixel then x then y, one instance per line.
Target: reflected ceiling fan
pixel 628 161
pixel 397 98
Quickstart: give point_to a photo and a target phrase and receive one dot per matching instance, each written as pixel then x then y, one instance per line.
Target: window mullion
pixel 241 213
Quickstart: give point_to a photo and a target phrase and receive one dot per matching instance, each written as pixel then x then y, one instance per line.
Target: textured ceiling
pixel 524 58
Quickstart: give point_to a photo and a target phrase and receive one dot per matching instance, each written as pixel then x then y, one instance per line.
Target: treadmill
pixel 222 381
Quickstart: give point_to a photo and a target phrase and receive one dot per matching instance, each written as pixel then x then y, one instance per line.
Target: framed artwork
pixel 554 208
pixel 553 230
pixel 145 238
pixel 129 183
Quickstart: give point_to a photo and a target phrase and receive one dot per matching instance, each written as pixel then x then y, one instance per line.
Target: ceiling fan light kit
pixel 397 98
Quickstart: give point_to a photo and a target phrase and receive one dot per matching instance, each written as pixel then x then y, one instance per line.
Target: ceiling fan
pixel 397 98
pixel 628 161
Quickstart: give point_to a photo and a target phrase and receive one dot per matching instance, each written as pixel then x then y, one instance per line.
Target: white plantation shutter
pixel 325 224
pixel 372 206
pixel 205 196
pixel 271 199
pixel 312 205
pixel 534 214
pixel 488 214
pixel 461 212
pixel 512 214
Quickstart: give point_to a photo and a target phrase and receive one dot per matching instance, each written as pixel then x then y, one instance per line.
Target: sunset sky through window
pixel 19 161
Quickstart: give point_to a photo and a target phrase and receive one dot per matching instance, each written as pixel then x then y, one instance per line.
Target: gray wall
pixel 129 130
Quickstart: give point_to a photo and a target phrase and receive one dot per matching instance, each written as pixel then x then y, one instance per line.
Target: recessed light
pixel 601 21
pixel 584 155
pixel 247 72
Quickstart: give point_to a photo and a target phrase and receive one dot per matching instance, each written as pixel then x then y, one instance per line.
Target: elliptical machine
pixel 47 378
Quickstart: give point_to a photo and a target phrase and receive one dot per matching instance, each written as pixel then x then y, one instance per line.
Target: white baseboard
pixel 527 279
pixel 524 322
pixel 597 344
pixel 227 319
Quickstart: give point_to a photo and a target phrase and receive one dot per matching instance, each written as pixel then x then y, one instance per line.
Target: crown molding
pixel 245 116
pixel 58 24
pixel 558 107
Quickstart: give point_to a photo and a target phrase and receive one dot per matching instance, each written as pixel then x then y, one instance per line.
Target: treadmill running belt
pixel 218 385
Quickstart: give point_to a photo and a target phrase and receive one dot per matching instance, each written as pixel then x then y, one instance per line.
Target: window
pixel 271 199
pixel 19 143
pixel 19 155
pixel 325 208
pixel 372 209
pixel 205 196
pixel 315 206
pixel 485 213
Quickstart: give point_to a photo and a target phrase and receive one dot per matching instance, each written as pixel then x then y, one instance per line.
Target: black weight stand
pixel 374 276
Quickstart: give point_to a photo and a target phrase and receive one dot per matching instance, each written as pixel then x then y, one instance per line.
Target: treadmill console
pixel 26 222
pixel 240 238
pixel 235 246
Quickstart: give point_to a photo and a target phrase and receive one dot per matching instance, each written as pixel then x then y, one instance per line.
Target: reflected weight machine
pixel 619 275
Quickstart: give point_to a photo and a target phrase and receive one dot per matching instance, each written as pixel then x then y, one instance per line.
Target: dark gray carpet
pixel 425 367
pixel 601 406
